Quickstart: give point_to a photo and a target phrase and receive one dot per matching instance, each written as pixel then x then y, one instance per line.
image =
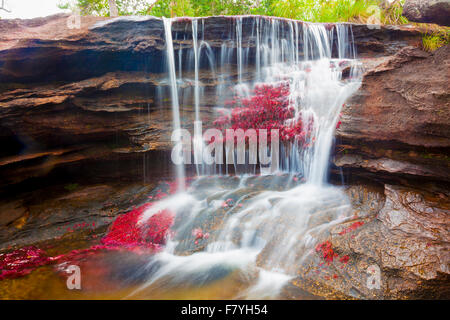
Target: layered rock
pixel 89 94
pixel 66 211
pixel 398 123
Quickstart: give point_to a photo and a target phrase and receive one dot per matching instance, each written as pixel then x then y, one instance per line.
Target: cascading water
pixel 197 141
pixel 262 226
pixel 174 92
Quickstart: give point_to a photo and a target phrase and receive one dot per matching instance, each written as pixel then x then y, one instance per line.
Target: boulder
pixel 428 11
pixel 396 247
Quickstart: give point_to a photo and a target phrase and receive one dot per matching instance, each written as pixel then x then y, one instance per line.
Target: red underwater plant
pixel 344 259
pixel 352 227
pixel 127 231
pixel 326 250
pixel 338 124
pixel 327 253
pixel 268 108
pixel 199 234
pixel 22 261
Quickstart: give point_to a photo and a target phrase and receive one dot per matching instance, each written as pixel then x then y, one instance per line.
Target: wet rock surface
pixel 48 48
pixel 396 247
pixel 87 95
pixel 60 211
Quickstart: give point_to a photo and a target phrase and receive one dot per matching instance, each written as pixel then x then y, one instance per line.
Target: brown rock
pixel 386 165
pixel 399 121
pixel 428 11
pixel 406 240
pixel 100 85
pixel 410 213
pixel 404 99
pixel 58 211
pixel 11 211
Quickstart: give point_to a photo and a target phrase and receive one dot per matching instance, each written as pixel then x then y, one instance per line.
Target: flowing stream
pixel 261 224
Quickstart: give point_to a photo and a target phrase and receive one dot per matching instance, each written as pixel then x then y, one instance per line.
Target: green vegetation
pixel 101 7
pixel 71 187
pixel 434 40
pixel 166 8
pixel 364 11
pixel 391 13
pixel 325 11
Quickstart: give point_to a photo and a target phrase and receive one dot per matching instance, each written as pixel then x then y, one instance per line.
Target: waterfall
pixel 174 94
pixel 197 141
pixel 239 48
pixel 196 62
pixel 269 224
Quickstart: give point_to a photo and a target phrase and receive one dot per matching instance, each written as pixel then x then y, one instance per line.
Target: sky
pixel 26 9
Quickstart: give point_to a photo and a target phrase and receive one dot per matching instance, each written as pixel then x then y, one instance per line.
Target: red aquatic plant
pixel 344 259
pixel 22 261
pixel 199 234
pixel 268 108
pixel 128 231
pixel 338 124
pixel 227 203
pixel 326 251
pixel 352 227
pixel 171 187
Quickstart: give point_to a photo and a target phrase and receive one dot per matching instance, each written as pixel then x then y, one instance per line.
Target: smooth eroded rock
pixel 428 11
pixel 397 250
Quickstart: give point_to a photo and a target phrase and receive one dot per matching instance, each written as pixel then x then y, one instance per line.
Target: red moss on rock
pixel 352 227
pixel 126 233
pixel 344 259
pixel 126 230
pixel 326 251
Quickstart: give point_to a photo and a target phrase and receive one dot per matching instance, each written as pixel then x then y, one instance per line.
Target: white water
pixel 274 217
pixel 174 93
